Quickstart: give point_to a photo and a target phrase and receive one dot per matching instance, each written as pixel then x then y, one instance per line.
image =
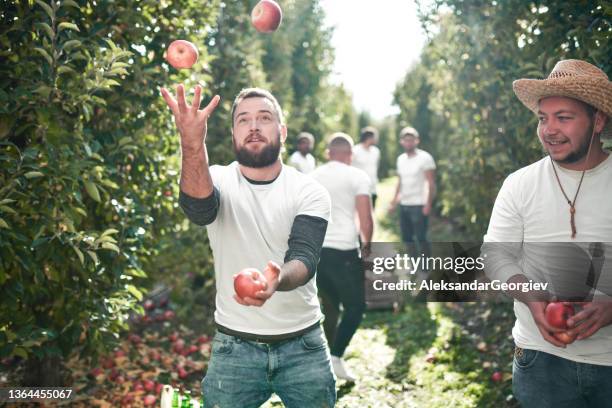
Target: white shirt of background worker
pixel 340 274
pixel 366 156
pixel 301 159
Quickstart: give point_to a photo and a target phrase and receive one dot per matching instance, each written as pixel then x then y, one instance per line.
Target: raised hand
pixel 190 120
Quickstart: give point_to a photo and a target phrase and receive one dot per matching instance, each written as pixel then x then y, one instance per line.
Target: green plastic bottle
pixel 175 399
pixel 186 400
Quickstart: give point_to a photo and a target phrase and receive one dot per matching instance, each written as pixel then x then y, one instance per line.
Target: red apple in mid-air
pixel 497 376
pixel 182 54
pixel 556 314
pixel 248 282
pixel 266 16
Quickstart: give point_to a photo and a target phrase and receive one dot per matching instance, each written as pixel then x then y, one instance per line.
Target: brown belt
pixel 265 338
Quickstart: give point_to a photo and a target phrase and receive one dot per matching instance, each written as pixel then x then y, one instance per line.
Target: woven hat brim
pixel 595 92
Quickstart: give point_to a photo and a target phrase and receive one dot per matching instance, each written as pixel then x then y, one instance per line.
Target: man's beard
pixel 263 158
pixel 581 151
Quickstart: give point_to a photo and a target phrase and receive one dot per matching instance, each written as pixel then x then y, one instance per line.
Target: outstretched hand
pixel 272 275
pixel 190 120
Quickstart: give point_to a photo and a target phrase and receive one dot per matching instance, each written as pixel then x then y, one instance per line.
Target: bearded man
pixel 258 213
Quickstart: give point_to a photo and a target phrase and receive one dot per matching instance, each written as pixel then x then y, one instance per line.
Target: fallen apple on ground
pixel 266 16
pixel 181 54
pixel 497 376
pixel 248 282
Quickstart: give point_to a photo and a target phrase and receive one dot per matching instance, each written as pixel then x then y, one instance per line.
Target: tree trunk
pixel 43 372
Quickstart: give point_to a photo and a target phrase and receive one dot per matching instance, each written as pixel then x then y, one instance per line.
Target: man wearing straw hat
pixel 564 198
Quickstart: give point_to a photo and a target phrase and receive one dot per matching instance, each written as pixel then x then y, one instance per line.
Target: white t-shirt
pixel 411 170
pixel 367 160
pixel 530 208
pixel 344 183
pixel 303 164
pixel 252 227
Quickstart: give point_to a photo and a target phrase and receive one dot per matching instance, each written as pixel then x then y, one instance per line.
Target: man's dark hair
pixel 257 93
pixel 367 133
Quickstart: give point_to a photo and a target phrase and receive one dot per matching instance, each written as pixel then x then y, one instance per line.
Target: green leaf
pixel 80 255
pixel 109 231
pixel 44 54
pixel 43 91
pixel 105 239
pixel 93 256
pixel 92 190
pixel 111 246
pixel 67 26
pixel 7 201
pixel 109 184
pixel 47 9
pixel 70 3
pixel 124 140
pixel 80 211
pixel 7 209
pixel 33 174
pixel 137 273
pixel 47 29
pixel 134 291
pixel 70 45
pixel 65 69
pixel 3 224
pixel 111 44
pixel 21 352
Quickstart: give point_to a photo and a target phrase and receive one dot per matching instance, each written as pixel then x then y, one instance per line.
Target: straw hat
pixel 572 78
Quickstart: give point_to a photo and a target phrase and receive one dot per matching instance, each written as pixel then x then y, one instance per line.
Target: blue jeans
pixel 413 224
pixel 244 373
pixel 544 380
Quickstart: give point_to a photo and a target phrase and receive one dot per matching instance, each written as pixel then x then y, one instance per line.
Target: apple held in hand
pixel 556 314
pixel 248 282
pixel 266 16
pixel 181 54
pixel 565 337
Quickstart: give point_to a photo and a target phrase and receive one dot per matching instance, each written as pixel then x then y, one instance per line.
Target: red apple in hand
pixel 182 54
pixel 248 282
pixel 557 313
pixel 266 16
pixel 565 337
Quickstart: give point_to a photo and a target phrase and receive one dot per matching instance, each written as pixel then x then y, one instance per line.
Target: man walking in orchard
pixel 562 201
pixel 366 156
pixel 259 213
pixel 340 277
pixel 415 191
pixel 302 159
